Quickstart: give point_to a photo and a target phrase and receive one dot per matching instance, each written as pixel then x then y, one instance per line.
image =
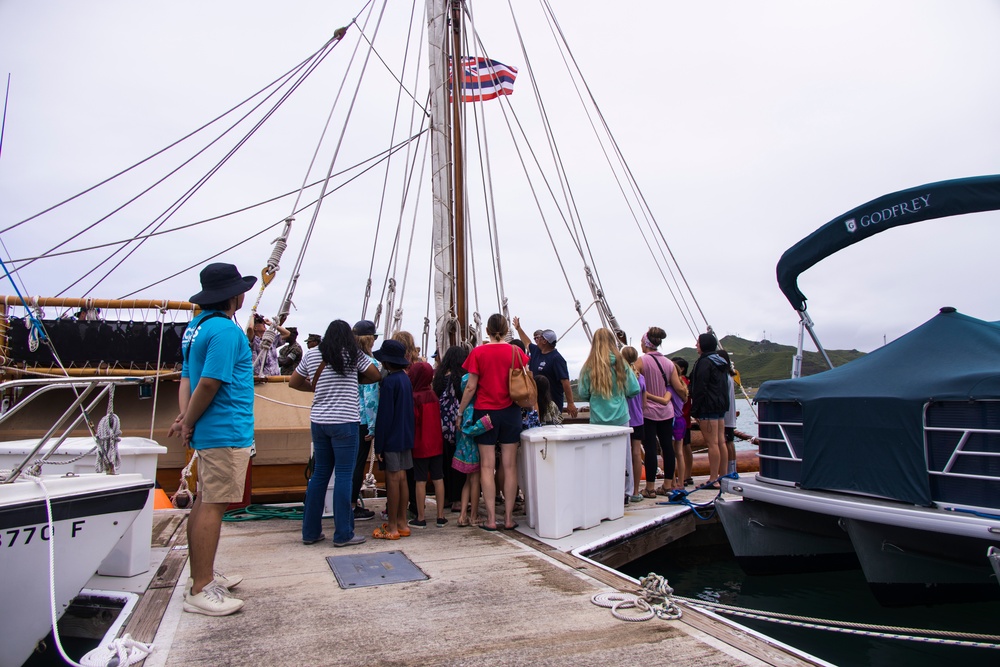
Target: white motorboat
pixel 89 514
pixel 892 460
pixel 57 528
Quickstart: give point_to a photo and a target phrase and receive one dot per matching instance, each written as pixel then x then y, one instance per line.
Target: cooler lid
pixel 574 432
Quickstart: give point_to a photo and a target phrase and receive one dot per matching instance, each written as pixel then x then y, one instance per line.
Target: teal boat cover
pixel 926 202
pixel 863 421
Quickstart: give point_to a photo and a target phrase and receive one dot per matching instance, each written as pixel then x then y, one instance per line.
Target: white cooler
pixel 572 476
pixel 131 556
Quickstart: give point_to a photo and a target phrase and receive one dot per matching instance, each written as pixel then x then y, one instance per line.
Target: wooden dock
pixel 504 598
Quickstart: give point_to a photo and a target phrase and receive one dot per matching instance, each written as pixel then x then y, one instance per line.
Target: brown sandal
pixel 662 492
pixel 646 493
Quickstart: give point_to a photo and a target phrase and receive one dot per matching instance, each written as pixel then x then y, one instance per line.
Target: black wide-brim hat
pixel 221 281
pixel 393 352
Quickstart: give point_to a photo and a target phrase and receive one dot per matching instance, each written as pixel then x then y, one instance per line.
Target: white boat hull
pixel 90 513
pixel 906 566
pixel 771 539
pixel 909 554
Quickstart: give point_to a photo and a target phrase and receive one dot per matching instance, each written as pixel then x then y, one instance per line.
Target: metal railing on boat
pixel 84 388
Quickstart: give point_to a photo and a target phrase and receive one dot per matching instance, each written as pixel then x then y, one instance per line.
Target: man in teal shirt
pixel 216 420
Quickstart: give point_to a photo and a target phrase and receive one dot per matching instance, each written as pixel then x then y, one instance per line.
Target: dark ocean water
pixel 711 573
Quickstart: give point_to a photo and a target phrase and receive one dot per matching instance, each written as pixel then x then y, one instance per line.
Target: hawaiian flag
pixel 485 79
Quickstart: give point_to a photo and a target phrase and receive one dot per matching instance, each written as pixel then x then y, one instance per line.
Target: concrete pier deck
pixel 503 598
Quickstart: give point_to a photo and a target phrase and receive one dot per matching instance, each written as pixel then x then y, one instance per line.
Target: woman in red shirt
pixel 489 368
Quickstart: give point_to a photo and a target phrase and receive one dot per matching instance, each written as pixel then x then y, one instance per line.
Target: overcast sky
pixel 746 124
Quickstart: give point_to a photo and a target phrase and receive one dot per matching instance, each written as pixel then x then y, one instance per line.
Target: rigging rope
pixel 109 434
pixel 203 261
pixel 161 316
pixel 651 222
pixel 176 204
pixel 656 598
pixel 183 498
pixel 946 637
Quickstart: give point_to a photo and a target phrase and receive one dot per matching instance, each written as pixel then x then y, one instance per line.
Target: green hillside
pixel 758 361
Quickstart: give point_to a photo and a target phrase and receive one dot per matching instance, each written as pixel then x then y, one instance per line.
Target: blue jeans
pixel 335 446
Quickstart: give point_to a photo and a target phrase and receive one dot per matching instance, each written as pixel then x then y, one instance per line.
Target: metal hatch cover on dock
pixel 375 569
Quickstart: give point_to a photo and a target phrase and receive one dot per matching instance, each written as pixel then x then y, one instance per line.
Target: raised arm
pixel 521 333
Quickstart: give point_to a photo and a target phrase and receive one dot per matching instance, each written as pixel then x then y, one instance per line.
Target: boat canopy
pixel 925 202
pixel 863 421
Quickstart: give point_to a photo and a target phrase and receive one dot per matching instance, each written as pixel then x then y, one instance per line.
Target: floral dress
pixel 449 413
pixel 466 450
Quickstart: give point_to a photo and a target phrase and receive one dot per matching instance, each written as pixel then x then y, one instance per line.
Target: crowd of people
pixel 453 425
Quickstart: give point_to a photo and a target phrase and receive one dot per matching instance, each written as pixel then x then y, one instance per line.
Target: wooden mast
pixel 458 213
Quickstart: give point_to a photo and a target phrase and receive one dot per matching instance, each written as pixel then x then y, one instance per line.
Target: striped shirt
pixel 335 399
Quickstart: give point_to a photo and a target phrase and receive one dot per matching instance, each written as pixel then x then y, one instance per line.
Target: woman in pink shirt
pixel 662 382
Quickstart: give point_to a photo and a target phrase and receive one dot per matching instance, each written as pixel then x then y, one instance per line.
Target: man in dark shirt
pixel 546 360
pixel 291 354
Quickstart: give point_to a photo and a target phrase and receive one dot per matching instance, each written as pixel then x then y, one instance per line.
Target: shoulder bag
pixel 521 382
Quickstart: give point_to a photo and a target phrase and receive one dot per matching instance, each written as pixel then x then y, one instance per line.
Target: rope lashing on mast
pixel 368 295
pixel 425 336
pixel 274 261
pixel 603 309
pixel 273 265
pixel 477 332
pixel 266 276
pixel 390 301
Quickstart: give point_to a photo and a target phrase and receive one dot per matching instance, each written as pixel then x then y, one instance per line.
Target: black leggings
pixel 360 463
pixel 664 431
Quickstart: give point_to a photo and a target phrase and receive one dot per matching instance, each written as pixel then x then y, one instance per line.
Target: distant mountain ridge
pixel 758 361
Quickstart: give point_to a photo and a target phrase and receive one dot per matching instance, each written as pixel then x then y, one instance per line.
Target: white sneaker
pixel 229 582
pixel 220 579
pixel 212 601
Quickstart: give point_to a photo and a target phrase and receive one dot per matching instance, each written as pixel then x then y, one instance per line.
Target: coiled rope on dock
pixel 655 599
pixel 921 635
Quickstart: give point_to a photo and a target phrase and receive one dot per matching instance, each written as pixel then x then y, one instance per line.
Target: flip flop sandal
pixel 382 533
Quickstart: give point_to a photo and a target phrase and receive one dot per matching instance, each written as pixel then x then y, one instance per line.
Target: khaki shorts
pixel 222 474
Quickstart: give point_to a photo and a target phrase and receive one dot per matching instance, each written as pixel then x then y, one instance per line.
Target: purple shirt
pixel 635 404
pixel 656 385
